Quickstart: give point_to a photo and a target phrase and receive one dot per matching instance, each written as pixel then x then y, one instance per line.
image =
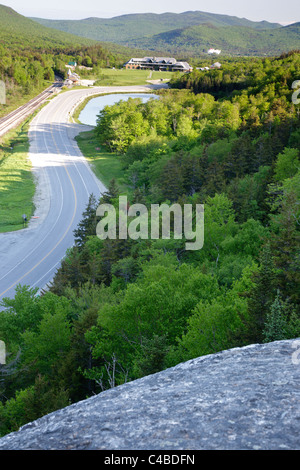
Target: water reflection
pixel 89 114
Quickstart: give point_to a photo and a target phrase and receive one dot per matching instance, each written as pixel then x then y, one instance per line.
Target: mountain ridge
pixel 195 32
pixel 232 40
pixel 148 22
pixel 20 33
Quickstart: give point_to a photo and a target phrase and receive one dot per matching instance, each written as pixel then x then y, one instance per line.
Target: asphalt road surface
pixel 65 182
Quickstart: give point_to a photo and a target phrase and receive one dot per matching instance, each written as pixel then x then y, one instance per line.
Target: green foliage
pixel 220 322
pixel 212 328
pixel 127 123
pixel 282 321
pixel 30 404
pixel 120 309
pixel 285 243
pixel 152 356
pixel 44 347
pixel 275 325
pixel 287 164
pixel 87 226
pixel 18 314
pixel 138 320
pixel 31 55
pixel 249 83
pixel 263 292
pixel 119 125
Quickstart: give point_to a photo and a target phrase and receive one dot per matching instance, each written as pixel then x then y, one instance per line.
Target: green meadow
pixel 123 77
pixel 17 186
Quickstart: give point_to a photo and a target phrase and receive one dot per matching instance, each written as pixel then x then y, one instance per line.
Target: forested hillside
pixel 188 34
pixel 121 309
pixel 31 55
pixel 127 27
pixel 231 40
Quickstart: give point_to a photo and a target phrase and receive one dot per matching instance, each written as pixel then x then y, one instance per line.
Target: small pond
pixel 89 114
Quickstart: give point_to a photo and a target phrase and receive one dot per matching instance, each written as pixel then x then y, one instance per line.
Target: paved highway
pixel 65 182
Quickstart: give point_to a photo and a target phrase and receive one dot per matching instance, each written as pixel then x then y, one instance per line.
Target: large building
pixel 158 63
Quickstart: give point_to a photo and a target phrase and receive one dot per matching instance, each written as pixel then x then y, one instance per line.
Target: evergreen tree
pixel 285 246
pixel 275 325
pixel 152 356
pixel 87 226
pixel 172 180
pixel 262 294
pixel 111 193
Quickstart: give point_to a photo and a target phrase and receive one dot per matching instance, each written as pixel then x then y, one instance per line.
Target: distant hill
pixel 17 31
pixel 233 40
pixel 185 34
pixel 20 33
pixel 122 29
pixel 32 54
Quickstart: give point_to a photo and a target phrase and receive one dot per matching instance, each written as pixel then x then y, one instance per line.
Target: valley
pixel 81 313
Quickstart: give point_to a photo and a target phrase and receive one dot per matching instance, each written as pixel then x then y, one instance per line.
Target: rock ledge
pixel 243 398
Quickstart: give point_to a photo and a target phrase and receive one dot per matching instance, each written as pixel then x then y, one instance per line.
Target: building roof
pixel 163 61
pixel 185 65
pixel 154 60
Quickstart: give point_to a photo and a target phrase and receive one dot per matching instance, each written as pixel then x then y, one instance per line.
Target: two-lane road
pixel 32 256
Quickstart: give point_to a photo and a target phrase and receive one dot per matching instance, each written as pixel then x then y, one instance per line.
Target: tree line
pixel 30 72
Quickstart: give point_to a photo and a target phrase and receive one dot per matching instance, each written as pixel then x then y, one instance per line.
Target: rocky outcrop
pixel 243 398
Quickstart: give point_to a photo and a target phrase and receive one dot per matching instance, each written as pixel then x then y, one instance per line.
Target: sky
pixel 284 12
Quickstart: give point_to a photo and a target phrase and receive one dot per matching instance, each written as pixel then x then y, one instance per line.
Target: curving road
pixel 64 184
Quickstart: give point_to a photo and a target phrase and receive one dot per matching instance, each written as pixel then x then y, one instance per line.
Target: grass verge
pixel 106 165
pixel 17 186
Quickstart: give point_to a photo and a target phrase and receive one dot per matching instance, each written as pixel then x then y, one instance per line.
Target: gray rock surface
pixel 243 398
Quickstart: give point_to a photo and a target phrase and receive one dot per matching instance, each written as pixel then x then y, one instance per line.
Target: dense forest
pixel 117 309
pixel 28 74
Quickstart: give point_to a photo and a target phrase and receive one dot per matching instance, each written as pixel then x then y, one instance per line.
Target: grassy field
pixel 123 77
pixel 16 181
pixel 106 165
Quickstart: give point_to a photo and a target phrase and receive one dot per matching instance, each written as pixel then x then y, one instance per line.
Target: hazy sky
pixel 287 11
